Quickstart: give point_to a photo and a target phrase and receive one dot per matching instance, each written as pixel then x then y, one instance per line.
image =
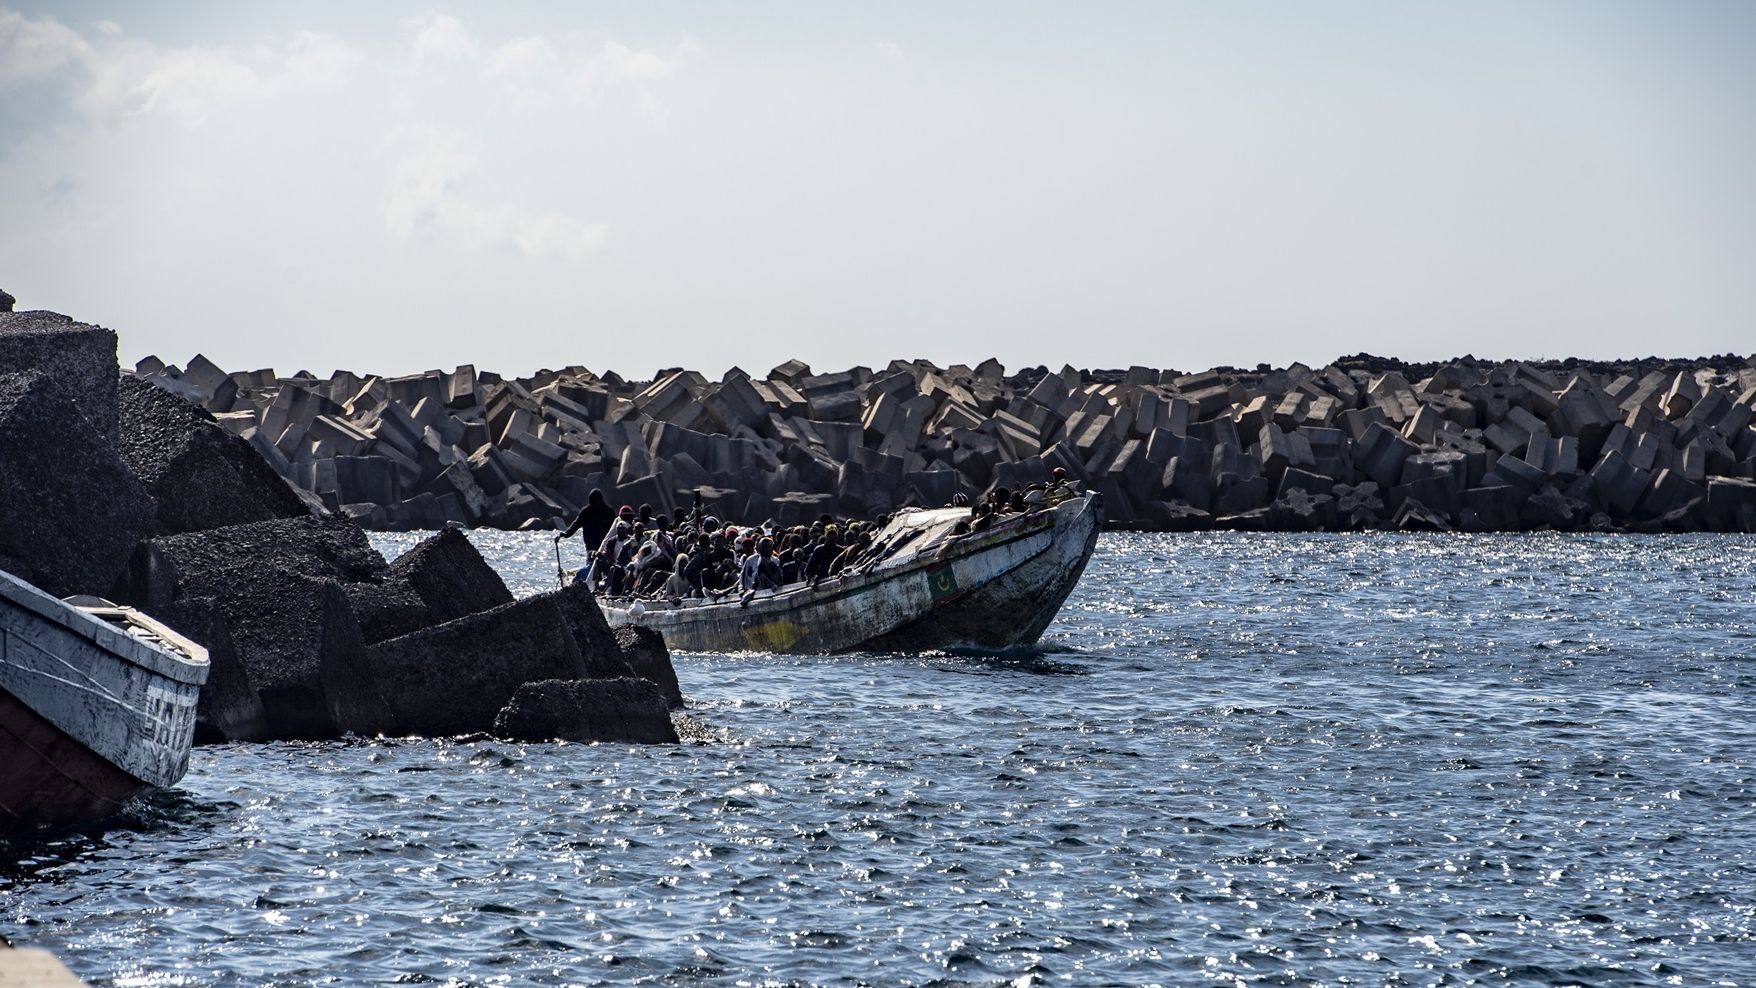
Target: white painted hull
pixel 100 704
pixel 994 589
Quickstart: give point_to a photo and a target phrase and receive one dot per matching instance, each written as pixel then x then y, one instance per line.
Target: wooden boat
pixel 922 587
pixel 97 703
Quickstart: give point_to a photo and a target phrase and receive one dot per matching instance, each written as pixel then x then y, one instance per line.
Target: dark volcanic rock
pixel 454 678
pixel 70 509
pixel 201 475
pixel 297 638
pixel 280 587
pixel 387 610
pixel 597 646
pixel 229 708
pixel 81 358
pixel 645 652
pixel 629 710
pixel 451 576
pixel 222 562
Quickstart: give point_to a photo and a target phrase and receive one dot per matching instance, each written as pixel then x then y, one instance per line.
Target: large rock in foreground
pixel 229 708
pixel 80 357
pixel 281 589
pixel 645 652
pixel 454 678
pixel 224 562
pixel 603 655
pixel 201 475
pixel 451 577
pixel 71 511
pixel 629 710
pixel 297 639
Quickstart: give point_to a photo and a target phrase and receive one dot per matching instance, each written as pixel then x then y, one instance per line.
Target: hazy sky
pixel 389 187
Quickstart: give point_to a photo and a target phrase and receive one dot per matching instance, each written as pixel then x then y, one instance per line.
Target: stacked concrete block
pixel 1473 442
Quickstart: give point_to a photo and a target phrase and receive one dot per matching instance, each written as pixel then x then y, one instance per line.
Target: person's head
pixel 765 547
pixel 596 498
pixel 662 522
pixel 626 511
pixel 710 524
pixel 682 561
pixel 831 534
pixel 1059 473
pixel 646 512
pixel 624 529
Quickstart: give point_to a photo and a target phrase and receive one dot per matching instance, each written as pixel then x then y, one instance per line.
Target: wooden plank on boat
pixel 32 968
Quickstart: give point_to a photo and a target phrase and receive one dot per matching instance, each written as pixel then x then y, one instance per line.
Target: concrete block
pixel 1496 508
pixel 1618 484
pixel 491 471
pixel 1330 453
pixel 930 488
pixel 1295 478
pixel 792 372
pixel 1682 394
pixel 1731 504
pixel 1511 435
pixel 1425 425
pixel 736 402
pixel 1669 491
pixel 1380 454
pixel 1357 421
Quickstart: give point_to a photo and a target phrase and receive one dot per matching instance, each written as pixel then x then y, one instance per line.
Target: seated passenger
pixel 679 585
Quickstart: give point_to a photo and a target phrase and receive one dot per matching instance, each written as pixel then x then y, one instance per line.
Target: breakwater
pixel 1363 443
pixel 114 487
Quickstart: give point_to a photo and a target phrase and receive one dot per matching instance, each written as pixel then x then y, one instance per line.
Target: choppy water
pixel 1242 760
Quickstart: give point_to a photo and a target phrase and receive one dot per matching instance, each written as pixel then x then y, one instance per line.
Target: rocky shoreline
pixel 1651 445
pixel 114 487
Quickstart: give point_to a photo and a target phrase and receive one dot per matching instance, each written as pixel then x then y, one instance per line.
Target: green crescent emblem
pixel 941 583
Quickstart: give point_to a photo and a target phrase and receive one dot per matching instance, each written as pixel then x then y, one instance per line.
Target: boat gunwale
pixel 181 661
pixel 797 595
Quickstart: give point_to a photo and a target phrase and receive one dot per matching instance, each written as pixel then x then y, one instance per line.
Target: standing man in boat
pixel 594 520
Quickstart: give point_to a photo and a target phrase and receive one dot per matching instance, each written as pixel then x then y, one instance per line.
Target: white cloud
pixel 624 64
pixel 191 83
pixel 111 76
pixel 523 58
pixel 440 37
pixel 318 59
pixel 35 49
pixel 428 198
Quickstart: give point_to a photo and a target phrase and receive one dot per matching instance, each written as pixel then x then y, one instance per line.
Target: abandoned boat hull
pixel 995 589
pixel 97 703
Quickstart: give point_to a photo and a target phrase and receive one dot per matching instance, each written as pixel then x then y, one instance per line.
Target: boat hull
pixel 93 709
pixel 995 589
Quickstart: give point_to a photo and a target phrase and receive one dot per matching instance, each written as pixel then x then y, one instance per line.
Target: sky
pixel 390 187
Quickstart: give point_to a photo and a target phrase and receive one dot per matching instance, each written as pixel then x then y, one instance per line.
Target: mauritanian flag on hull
pixel 941 582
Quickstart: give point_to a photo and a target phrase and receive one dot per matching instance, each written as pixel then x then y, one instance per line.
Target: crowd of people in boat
pixel 640 554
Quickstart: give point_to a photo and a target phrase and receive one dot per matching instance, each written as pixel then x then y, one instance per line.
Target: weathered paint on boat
pixel 97 703
pixel 998 588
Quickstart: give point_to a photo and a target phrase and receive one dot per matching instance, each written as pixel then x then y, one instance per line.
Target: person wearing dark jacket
pixel 594 520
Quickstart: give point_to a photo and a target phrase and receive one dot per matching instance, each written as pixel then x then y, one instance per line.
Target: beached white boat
pixel 928 589
pixel 97 703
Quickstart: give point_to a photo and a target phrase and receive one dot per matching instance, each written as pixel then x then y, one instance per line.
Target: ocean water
pixel 1237 760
